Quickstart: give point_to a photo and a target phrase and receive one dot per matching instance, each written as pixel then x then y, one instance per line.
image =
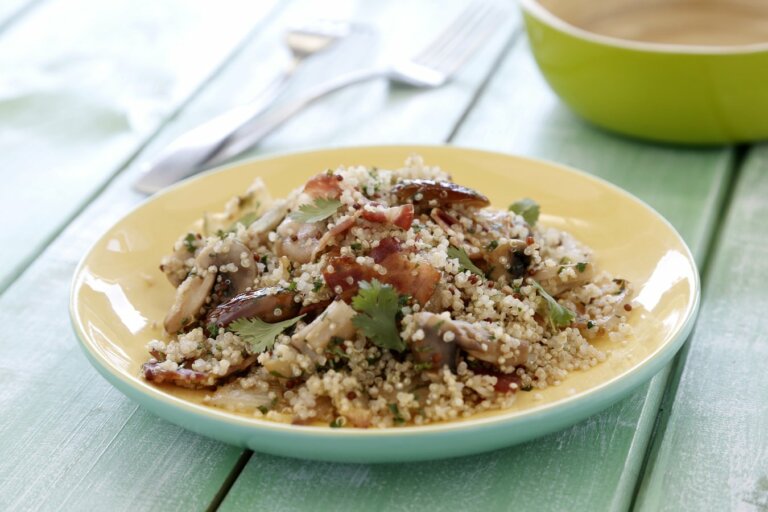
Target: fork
pixel 432 67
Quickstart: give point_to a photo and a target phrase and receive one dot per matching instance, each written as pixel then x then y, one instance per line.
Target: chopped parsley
pixel 258 333
pixel 292 286
pixel 317 285
pixel 418 367
pixel 320 209
pixel 213 330
pixel 559 316
pixel 464 262
pixel 337 423
pixel 263 408
pixel 527 208
pixel 356 246
pixel 493 245
pixel 189 242
pixel 590 324
pixel 396 413
pixel 377 306
pixel 581 267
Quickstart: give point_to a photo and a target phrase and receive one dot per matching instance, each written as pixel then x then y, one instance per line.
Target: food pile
pixel 379 298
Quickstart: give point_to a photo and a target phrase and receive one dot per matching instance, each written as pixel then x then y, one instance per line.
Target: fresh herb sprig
pixel 320 209
pixel 559 316
pixel 465 263
pixel 377 306
pixel 259 334
pixel 528 209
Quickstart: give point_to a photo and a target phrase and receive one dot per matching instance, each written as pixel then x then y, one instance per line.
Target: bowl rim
pixel 607 390
pixel 546 16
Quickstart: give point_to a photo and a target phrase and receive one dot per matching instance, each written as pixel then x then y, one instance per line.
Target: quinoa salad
pixel 376 298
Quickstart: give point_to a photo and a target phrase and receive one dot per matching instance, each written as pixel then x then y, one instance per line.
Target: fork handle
pixel 252 131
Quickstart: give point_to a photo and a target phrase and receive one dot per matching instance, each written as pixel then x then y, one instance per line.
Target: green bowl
pixel 668 71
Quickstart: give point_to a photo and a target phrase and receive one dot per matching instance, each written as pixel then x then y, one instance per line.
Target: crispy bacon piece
pixel 346 275
pixel 400 216
pixel 445 193
pixel 408 278
pixel 417 280
pixel 506 382
pixel 387 246
pixel 324 185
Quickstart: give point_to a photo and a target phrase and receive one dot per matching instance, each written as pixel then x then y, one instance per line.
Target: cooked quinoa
pixel 379 298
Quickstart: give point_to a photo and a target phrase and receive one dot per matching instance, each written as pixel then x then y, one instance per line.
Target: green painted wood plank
pixel 712 452
pixel 72 442
pixel 85 83
pixel 591 466
pixel 12 11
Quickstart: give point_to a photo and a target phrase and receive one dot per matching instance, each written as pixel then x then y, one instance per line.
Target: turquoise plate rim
pixel 397 444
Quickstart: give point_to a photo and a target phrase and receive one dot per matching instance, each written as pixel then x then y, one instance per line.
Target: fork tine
pixel 449 33
pixel 456 33
pixel 467 44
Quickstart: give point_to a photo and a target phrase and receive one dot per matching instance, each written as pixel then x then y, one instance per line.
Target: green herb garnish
pixel 213 330
pixel 337 423
pixel 246 220
pixel 263 408
pixel 559 316
pixel 189 242
pixel 422 366
pixel 464 262
pixel 493 245
pixel 527 208
pixel 396 413
pixel 320 209
pixel 317 285
pixel 581 267
pixel 378 306
pixel 258 333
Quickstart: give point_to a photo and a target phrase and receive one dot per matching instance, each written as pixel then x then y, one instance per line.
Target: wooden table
pixel 89 88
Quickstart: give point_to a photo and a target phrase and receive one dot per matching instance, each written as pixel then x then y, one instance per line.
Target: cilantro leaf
pixel 246 220
pixel 464 262
pixel 527 208
pixel 190 242
pixel 559 316
pixel 258 333
pixel 377 307
pixel 321 208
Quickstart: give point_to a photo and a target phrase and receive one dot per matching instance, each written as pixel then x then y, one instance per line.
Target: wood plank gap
pixel 662 416
pixel 497 63
pixel 20 14
pixel 230 481
pixel 239 48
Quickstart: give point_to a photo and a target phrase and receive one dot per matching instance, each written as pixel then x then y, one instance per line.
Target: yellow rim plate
pixel 119 296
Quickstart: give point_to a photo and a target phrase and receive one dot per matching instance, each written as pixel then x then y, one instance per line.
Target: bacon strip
pixel 408 278
pixel 324 185
pixel 400 216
